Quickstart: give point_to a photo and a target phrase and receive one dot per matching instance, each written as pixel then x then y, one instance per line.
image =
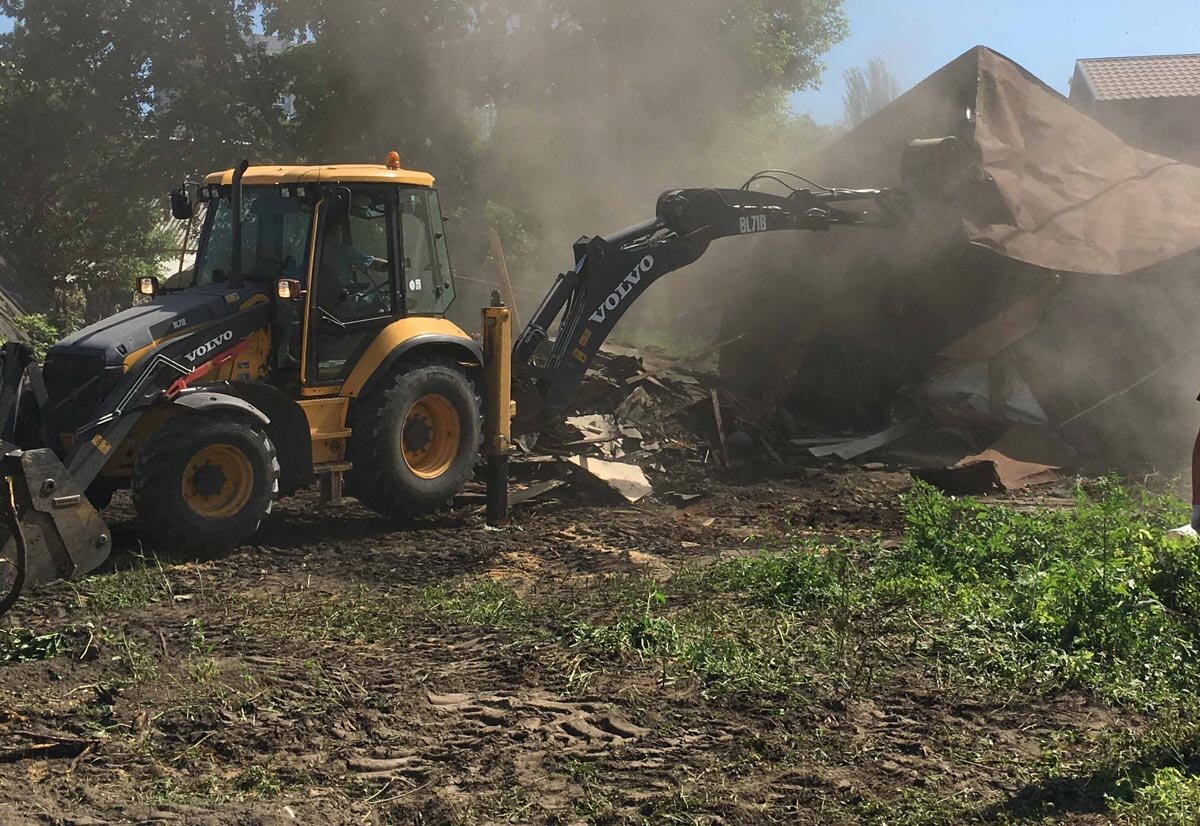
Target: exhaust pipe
pixel 235 205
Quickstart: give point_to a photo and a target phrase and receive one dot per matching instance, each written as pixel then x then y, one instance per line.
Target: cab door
pixel 356 277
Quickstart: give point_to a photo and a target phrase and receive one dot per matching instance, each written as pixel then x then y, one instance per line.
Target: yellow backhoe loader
pixel 309 341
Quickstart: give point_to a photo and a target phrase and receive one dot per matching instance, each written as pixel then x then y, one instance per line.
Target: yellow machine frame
pixel 325 408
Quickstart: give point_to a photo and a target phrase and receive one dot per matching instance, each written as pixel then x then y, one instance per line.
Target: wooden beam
pixel 506 287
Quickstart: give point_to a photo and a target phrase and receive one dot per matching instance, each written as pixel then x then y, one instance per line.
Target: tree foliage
pixel 562 116
pixel 867 91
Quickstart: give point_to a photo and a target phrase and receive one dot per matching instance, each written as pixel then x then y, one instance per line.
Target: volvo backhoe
pixel 309 340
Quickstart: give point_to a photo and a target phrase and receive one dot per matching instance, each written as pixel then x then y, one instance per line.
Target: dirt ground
pixel 310 678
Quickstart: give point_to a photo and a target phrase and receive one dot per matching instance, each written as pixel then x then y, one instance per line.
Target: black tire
pixel 204 509
pixel 393 481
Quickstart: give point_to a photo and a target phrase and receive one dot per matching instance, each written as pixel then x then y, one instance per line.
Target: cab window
pixel 428 281
pixel 275 232
pixel 354 285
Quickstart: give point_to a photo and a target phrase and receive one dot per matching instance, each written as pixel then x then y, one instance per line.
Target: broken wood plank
pixel 510 299
pixel 852 450
pixel 823 441
pixel 716 405
pixel 628 480
pixel 772 452
pixel 534 491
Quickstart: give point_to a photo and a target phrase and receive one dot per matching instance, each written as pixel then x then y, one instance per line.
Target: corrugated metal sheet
pixel 1137 78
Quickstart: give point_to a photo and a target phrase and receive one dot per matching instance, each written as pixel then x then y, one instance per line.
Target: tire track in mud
pixel 430 719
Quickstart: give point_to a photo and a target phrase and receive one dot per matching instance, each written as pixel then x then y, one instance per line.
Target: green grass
pixel 481 602
pixel 1090 597
pixel 729 648
pixel 213 785
pixel 986 600
pixel 1169 798
pixel 362 615
pixel 143 583
pixel 19 645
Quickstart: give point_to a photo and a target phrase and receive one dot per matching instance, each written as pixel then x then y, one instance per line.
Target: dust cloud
pixel 602 110
pixel 1054 247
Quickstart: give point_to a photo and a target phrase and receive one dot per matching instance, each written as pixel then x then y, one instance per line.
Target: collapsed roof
pixel 1049 244
pixel 1058 190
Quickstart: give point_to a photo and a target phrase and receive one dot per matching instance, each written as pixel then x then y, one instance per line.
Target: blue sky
pixel 916 37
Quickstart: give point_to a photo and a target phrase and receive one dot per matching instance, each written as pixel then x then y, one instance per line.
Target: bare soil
pixel 304 680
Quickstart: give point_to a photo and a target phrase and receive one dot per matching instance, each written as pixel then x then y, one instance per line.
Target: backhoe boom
pixel 611 272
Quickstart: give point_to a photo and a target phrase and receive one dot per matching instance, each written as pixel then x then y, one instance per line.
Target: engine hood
pixel 115 338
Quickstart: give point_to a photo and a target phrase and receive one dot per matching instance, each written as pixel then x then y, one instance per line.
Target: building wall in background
pixel 1145 101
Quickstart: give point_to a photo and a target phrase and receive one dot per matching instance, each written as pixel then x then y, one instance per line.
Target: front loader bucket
pixel 52 532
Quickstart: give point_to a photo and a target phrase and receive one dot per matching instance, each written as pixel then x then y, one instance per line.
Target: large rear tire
pixel 415 443
pixel 204 481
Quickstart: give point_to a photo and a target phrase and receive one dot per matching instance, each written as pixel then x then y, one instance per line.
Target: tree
pixel 867 91
pixel 102 104
pixel 549 117
pixel 568 115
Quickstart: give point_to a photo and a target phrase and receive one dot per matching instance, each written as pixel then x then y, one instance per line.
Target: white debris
pixel 628 480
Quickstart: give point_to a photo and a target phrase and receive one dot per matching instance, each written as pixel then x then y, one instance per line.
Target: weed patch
pixel 731 648
pixel 1171 797
pixel 483 602
pixel 1092 596
pixel 19 645
pixel 143 583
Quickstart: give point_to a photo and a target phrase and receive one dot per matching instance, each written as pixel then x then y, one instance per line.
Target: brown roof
pixel 1152 76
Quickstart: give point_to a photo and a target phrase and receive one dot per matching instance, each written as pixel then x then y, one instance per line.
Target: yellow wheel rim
pixel 431 434
pixel 218 481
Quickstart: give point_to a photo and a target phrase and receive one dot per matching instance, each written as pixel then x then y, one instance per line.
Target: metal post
pixel 497 362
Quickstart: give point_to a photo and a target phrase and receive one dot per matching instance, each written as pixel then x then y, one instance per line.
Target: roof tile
pixel 1152 76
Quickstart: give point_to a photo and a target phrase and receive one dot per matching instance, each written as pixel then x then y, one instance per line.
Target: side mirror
pixel 288 289
pixel 181 204
pixel 148 286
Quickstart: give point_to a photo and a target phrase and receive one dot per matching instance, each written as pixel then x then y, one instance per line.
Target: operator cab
pixel 343 250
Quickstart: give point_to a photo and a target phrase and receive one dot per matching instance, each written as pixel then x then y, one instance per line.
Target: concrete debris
pixel 644 419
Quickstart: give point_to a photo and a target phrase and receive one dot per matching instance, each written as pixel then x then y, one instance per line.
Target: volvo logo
pixel 209 346
pixel 623 289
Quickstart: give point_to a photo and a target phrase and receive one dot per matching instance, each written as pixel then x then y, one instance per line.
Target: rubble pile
pixel 1041 294
pixel 643 424
pixel 647 425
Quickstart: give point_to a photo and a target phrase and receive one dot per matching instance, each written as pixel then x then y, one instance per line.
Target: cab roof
pixel 334 173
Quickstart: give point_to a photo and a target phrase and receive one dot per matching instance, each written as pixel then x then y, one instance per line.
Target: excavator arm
pixel 612 271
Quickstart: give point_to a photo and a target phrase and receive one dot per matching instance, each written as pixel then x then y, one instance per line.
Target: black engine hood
pixel 166 316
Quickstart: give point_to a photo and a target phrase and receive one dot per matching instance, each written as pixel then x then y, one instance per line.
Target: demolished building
pixel 1050 275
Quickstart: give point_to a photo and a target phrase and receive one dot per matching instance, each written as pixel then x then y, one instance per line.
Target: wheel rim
pixel 431 435
pixel 218 481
